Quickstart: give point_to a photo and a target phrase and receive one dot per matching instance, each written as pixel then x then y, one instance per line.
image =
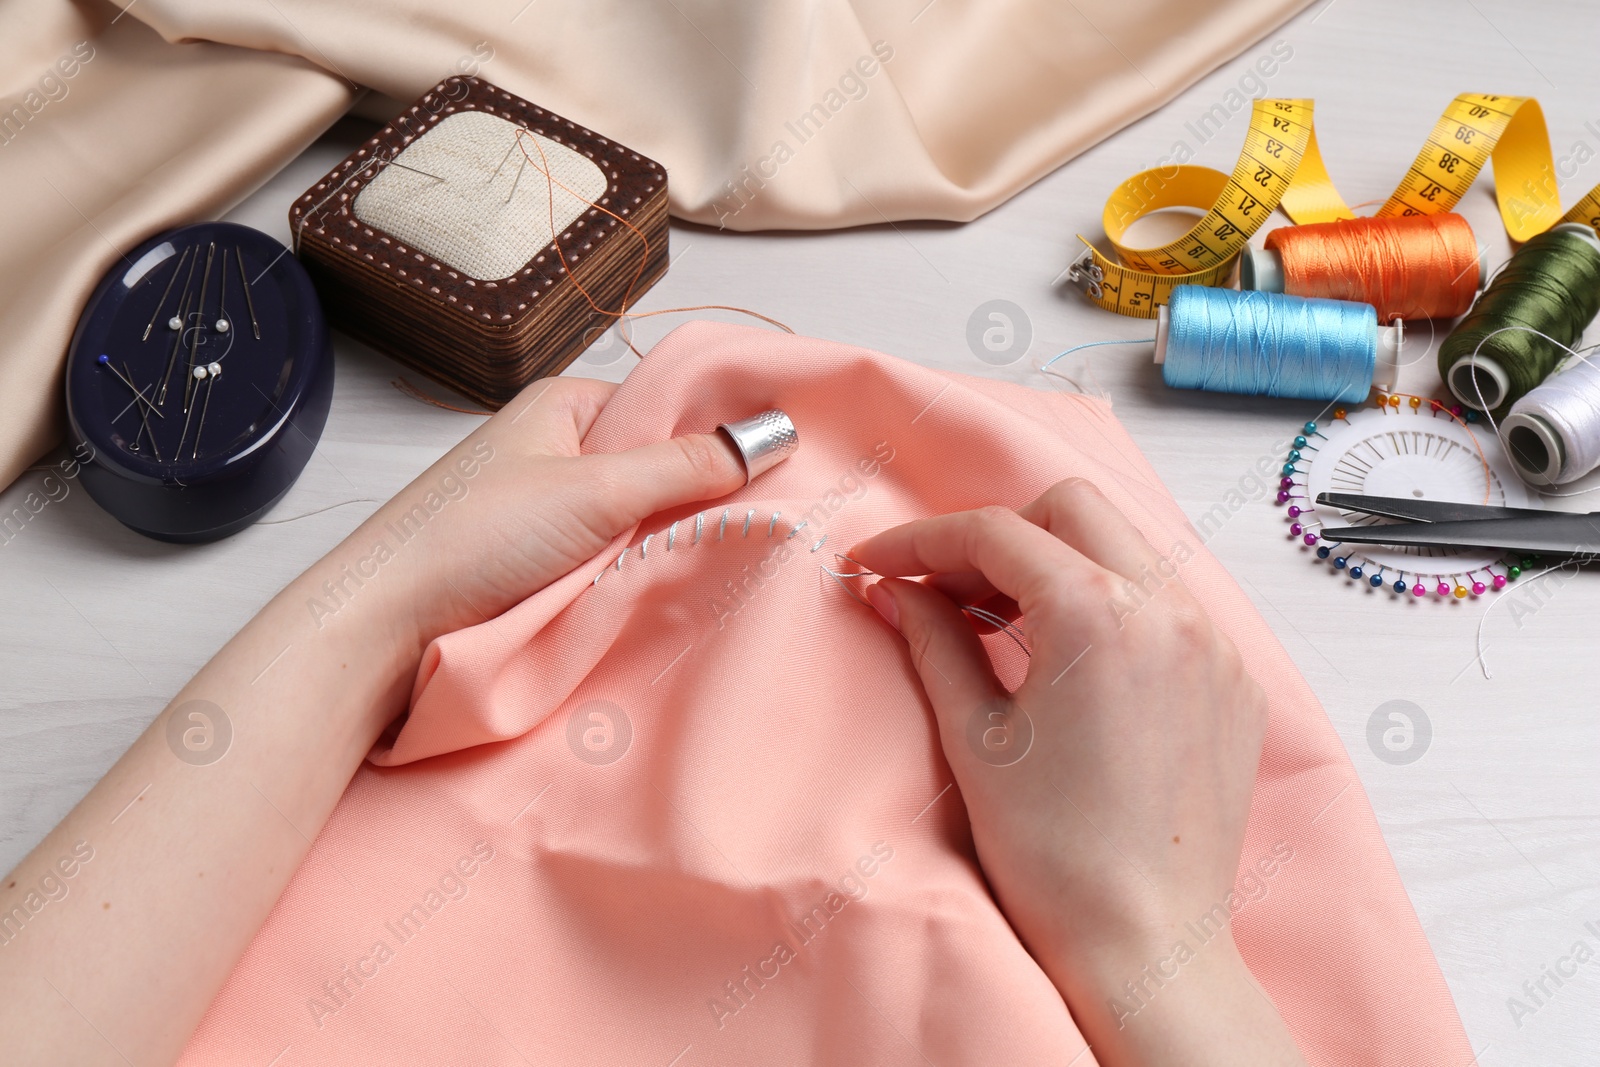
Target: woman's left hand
pixel 506 512
pixel 515 506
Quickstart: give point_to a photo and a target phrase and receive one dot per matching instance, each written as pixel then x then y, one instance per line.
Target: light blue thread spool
pixel 1268 344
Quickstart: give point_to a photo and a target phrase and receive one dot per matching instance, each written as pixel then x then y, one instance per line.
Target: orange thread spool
pixel 1410 267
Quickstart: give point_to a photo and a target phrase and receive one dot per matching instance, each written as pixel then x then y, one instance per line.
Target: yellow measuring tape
pixel 1282 166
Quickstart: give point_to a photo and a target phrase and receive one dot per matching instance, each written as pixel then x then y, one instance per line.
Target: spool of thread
pixel 1553 433
pixel 1268 344
pixel 1411 267
pixel 1523 325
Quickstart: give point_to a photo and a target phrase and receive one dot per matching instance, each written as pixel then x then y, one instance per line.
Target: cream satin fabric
pixel 768 115
pixel 144 135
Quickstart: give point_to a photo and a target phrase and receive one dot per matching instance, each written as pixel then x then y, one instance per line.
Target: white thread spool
pixel 1553 433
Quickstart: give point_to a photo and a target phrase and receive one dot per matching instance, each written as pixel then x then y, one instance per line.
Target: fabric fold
pixel 793 116
pixel 703 799
pixel 140 136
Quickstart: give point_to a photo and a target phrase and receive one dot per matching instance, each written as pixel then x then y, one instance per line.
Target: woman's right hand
pixel 1109 793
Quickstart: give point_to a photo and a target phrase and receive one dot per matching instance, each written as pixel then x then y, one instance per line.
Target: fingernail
pixel 883 602
pixel 763 441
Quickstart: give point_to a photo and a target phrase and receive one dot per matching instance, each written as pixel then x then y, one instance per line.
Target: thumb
pixel 665 474
pixel 972 707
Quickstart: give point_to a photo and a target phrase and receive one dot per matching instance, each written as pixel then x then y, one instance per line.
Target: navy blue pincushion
pixel 198 382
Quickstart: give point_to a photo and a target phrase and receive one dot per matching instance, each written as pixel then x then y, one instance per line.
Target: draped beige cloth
pixel 116 123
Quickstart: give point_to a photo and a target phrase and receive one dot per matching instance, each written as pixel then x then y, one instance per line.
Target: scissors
pixel 1441 524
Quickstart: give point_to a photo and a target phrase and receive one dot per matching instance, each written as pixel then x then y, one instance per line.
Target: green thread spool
pixel 1551 285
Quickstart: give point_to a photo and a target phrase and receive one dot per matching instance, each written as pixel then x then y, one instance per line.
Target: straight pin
pixel 177 324
pixel 503 159
pixel 223 326
pixel 145 414
pixel 238 257
pixel 105 361
pixel 518 182
pixel 213 372
pixel 413 170
pixel 156 314
pixel 140 394
pixel 141 403
pixel 197 375
pixel 194 343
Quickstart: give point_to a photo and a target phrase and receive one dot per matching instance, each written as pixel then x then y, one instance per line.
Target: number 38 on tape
pixel 1282 166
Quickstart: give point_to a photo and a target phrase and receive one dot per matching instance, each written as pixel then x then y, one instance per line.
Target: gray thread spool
pixel 1553 434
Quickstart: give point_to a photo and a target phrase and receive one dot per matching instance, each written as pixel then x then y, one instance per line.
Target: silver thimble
pixel 763 440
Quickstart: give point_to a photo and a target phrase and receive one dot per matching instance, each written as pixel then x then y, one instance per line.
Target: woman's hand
pixel 179 854
pixel 1109 794
pixel 515 506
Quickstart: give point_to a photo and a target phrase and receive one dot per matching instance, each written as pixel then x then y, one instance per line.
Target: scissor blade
pixel 1553 532
pixel 1397 507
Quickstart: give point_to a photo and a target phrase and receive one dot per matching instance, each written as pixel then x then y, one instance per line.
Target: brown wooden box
pixel 400 235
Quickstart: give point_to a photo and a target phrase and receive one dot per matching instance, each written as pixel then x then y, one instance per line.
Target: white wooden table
pixel 1496 828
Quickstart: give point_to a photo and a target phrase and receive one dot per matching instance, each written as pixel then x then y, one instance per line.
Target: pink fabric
pixel 783 763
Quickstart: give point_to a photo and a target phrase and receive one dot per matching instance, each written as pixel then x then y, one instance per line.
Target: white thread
pixel 671 533
pixel 1478 389
pixel 840 576
pixel 1002 622
pixel 997 621
pixel 1569 400
pixel 1483 663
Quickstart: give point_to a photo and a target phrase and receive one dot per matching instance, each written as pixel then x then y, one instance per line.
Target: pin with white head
pixel 209 374
pixel 223 325
pixel 177 269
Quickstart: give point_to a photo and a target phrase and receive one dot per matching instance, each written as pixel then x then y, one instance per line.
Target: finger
pixel 628 487
pixel 998 606
pixel 964 587
pixel 553 415
pixel 949 657
pixel 1021 560
pixel 969 589
pixel 1079 514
